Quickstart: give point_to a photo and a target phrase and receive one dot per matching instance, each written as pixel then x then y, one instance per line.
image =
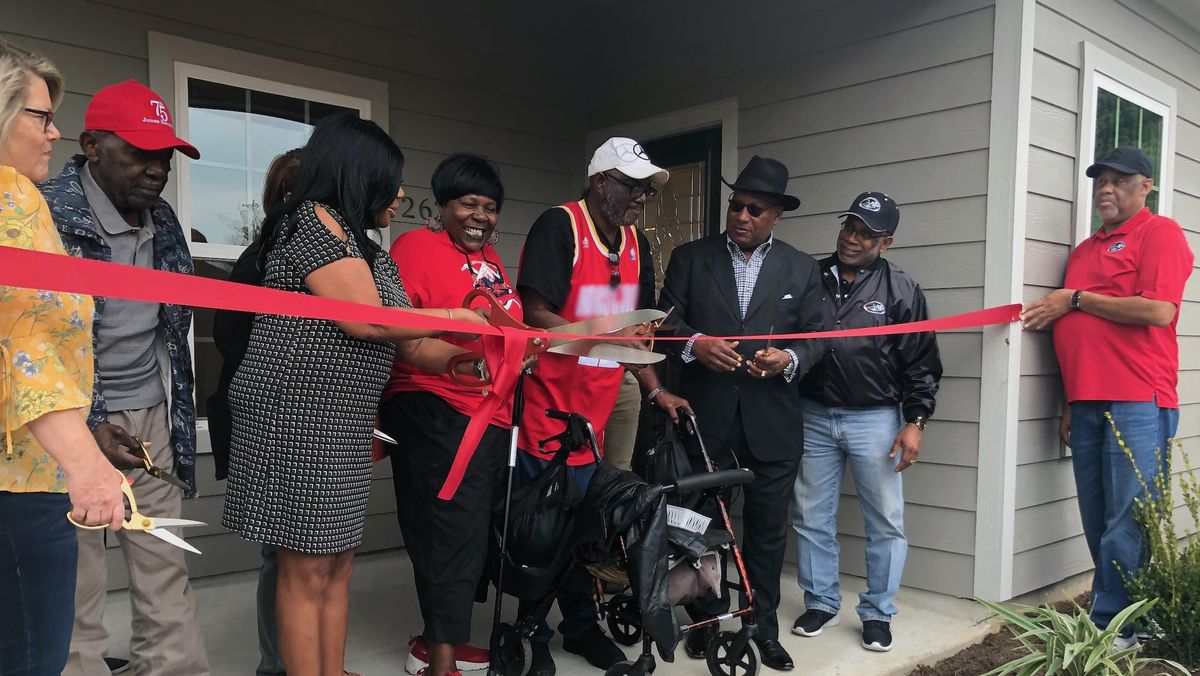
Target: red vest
pixel 581 384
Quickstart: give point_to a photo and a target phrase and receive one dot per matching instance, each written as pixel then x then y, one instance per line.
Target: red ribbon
pixel 503 347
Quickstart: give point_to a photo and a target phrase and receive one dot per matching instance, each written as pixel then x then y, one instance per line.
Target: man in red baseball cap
pixel 107 205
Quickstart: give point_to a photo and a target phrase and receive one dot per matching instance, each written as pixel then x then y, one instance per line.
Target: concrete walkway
pixel 383 615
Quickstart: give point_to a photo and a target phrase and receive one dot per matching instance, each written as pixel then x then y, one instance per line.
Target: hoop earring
pixel 435 223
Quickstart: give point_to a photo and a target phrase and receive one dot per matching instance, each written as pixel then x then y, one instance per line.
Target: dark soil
pixel 997 648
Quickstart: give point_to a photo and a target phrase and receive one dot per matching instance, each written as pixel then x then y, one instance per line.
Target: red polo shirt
pixel 1102 360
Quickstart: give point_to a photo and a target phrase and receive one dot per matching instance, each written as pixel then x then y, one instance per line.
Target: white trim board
pixel 1008 179
pixel 1103 69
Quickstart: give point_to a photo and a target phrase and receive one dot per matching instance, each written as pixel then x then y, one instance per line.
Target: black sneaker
pixel 541 662
pixel 813 621
pixel 696 643
pixel 877 636
pixel 595 647
pixel 116 665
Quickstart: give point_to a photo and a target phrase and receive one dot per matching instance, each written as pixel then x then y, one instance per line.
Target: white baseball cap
pixel 628 157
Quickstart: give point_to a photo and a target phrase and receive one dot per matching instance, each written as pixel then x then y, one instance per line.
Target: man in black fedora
pixel 744 393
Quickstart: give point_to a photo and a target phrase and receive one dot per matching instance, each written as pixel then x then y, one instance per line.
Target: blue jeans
pixel 862 438
pixel 578 608
pixel 1107 486
pixel 38 556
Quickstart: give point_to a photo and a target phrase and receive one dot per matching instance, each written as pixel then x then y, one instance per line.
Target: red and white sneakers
pixel 466 657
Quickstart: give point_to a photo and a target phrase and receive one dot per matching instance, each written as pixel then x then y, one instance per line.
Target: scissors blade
pixel 163 475
pixel 608 351
pixel 171 538
pixel 770 336
pixel 598 326
pixel 384 438
pixel 166 522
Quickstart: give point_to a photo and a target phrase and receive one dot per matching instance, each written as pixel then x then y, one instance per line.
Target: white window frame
pixel 184 72
pixel 1102 70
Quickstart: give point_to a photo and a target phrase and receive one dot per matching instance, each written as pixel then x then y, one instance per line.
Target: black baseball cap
pixel 1125 160
pixel 877 210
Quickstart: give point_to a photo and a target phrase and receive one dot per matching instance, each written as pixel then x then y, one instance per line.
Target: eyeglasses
pixel 614 277
pixel 735 207
pixel 46 115
pixel 636 190
pixel 862 232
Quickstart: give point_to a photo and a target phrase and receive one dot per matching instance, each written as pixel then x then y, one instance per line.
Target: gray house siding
pixel 1048 535
pixel 440 101
pixel 869 109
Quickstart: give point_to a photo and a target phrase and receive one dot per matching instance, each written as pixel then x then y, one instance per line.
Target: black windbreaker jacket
pixel 875 370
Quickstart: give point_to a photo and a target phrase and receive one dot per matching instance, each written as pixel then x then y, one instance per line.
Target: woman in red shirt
pixel 447 540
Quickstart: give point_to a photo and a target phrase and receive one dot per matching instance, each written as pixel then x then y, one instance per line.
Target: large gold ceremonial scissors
pixel 599 326
pixel 155 526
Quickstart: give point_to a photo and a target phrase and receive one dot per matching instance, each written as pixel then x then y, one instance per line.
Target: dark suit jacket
pixel 700 286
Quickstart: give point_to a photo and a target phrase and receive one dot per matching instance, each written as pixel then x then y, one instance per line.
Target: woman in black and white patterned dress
pixel 304 399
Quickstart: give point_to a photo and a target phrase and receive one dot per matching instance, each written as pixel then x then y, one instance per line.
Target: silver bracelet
pixel 654 393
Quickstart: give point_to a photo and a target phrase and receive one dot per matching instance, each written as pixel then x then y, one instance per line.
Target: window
pixel 1122 106
pixel 239 124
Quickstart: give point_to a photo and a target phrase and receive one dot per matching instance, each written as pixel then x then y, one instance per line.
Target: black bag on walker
pixel 541 520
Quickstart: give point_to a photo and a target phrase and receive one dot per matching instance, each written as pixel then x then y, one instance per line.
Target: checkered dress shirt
pixel 745 276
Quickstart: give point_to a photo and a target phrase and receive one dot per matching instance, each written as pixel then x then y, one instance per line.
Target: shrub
pixel 1172 572
pixel 1071 644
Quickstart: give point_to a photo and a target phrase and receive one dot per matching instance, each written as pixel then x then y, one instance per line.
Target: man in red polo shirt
pixel 1114 334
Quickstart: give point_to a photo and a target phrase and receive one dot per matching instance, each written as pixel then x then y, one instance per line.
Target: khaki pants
pixel 620 434
pixel 166 635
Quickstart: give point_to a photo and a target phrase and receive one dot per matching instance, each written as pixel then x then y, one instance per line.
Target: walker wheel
pixel 623 620
pixel 722 660
pixel 510 652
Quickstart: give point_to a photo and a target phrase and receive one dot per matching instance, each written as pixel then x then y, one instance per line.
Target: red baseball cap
pixel 132 111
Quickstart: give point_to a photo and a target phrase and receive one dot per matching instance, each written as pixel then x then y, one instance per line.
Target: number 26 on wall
pixel 413 210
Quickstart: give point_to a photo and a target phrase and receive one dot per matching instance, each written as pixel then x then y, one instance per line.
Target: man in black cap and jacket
pixel 865 404
pixel 745 282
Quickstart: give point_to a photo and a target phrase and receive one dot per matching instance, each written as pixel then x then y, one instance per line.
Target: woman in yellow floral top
pixel 49 462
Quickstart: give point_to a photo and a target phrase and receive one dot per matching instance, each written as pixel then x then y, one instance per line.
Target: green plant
pixel 1071 644
pixel 1172 571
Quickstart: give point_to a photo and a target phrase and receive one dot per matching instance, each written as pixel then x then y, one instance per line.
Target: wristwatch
pixel 920 421
pixel 654 394
pixel 1075 299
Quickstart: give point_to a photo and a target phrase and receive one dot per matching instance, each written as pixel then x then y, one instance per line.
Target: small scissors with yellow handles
pixel 153 525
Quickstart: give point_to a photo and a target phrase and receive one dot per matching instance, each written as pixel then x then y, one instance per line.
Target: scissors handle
pixel 497 316
pixel 135 521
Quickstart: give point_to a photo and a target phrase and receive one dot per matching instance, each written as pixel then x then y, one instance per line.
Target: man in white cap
pixel 581 260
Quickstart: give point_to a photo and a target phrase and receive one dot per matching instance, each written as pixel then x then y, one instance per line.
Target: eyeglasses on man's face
pixel 755 210
pixel 636 190
pixel 46 115
pixel 861 232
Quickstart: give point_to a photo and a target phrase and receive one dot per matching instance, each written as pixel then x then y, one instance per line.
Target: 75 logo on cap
pixel 160 110
pixel 870 204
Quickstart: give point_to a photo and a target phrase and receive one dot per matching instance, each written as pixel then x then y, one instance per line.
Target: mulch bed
pixel 997 648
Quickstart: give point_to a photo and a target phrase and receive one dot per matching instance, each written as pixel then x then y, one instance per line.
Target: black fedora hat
pixel 765 176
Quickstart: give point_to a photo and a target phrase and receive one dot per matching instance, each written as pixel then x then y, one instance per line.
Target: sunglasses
pixel 46 115
pixel 636 190
pixel 614 277
pixel 735 207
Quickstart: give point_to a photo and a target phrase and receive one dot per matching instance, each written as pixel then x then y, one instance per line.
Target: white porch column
pixel 1008 168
